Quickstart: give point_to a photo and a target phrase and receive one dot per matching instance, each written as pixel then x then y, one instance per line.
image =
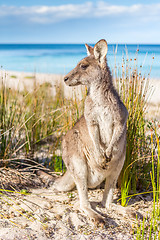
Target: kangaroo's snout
pixel 66 79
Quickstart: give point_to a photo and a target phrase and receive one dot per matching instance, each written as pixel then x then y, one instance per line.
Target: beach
pixel 56 215
pixel 106 135
pixel 50 215
pixel 22 80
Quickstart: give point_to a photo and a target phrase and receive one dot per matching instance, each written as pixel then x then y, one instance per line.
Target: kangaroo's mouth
pixel 72 83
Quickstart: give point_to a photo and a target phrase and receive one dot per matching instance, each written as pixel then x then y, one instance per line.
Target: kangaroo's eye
pixel 84 66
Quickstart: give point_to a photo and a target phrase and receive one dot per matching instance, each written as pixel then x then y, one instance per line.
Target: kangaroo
pixel 94 149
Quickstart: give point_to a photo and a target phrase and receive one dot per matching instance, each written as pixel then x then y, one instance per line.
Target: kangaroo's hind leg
pixel 109 187
pixel 111 180
pixel 80 174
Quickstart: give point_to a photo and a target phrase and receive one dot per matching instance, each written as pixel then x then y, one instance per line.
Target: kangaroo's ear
pixel 90 50
pixel 100 51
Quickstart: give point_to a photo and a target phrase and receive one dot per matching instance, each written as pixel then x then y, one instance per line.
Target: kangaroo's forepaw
pixel 104 163
pixel 108 154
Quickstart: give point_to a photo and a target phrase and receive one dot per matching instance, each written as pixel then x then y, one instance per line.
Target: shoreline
pixel 25 80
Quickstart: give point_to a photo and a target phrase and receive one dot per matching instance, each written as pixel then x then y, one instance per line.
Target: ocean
pixel 61 58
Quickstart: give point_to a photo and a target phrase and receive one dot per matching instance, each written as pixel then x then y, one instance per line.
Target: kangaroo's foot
pixel 125 211
pixel 64 183
pixel 128 211
pixel 93 215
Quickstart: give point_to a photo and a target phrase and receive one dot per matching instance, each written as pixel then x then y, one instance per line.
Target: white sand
pixel 155 88
pixel 21 80
pixel 57 216
pixel 60 211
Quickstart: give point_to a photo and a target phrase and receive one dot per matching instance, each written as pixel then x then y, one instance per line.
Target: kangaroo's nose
pixel 65 79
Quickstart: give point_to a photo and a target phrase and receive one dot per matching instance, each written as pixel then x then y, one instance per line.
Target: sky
pixel 80 21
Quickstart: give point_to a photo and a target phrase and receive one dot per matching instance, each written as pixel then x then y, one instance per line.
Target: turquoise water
pixel 61 58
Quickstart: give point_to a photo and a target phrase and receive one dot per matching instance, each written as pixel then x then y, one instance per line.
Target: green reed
pixel 149 228
pixel 133 89
pixel 30 118
pixel 10 121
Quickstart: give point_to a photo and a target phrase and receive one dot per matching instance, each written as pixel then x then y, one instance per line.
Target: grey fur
pixel 94 149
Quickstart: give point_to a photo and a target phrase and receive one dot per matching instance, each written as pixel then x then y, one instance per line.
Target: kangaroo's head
pixel 91 67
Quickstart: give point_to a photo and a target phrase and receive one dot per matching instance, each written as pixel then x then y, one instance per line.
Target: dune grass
pixel 29 120
pixel 149 228
pixel 133 89
pixel 141 168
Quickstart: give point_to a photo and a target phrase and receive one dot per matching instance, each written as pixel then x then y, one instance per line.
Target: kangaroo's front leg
pixel 94 131
pixel 79 173
pixel 95 136
pixel 118 130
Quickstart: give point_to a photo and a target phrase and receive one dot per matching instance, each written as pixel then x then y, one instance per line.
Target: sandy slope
pixel 44 214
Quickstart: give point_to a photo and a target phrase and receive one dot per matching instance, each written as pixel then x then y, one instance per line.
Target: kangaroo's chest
pixel 101 115
pixel 104 119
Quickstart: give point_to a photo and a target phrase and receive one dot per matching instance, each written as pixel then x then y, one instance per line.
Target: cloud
pixel 46 14
pixel 51 14
pixel 136 10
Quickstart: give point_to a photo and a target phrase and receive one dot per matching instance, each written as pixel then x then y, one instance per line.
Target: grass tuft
pixel 133 89
pixel 32 121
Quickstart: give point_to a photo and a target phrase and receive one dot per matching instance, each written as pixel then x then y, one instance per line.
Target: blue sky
pixel 74 21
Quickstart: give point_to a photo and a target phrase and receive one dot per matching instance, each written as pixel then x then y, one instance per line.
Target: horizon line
pixel 109 43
